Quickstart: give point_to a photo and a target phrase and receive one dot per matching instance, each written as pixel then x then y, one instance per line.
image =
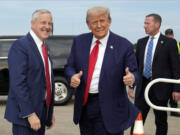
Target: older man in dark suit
pixel 100 64
pixel 157 57
pixel 30 101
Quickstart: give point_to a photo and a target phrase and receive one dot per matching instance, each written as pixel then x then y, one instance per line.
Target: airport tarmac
pixel 65 126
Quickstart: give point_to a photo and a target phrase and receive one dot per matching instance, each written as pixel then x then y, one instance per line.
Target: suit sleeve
pixel 70 66
pixel 175 62
pixel 17 62
pixel 137 52
pixel 131 62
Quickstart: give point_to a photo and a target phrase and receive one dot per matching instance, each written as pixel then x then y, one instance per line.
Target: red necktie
pixel 48 82
pixel 92 63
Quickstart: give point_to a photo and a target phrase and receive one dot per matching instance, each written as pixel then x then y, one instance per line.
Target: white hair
pixel 38 12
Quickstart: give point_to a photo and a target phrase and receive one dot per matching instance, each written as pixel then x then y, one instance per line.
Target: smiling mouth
pixel 46 30
pixel 100 31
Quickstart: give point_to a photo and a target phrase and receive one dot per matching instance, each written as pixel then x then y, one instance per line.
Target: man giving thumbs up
pixel 96 67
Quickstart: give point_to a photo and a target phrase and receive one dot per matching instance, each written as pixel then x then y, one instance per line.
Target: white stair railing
pixel 161 108
pixel 3 58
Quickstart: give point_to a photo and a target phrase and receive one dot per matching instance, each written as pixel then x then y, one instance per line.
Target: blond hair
pixel 97 11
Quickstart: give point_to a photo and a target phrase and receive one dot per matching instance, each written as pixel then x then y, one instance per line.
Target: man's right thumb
pixel 80 74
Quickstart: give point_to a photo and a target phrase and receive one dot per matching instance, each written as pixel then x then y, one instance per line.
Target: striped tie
pixel 148 63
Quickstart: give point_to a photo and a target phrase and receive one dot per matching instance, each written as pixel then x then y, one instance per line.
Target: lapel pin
pixel 162 41
pixel 111 46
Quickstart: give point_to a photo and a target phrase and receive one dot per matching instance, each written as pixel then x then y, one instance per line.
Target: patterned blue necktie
pixel 147 70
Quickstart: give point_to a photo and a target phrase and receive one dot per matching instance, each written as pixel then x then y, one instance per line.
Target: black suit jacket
pixel 165 65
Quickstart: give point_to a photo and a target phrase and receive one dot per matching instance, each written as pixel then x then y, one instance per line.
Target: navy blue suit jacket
pixel 27 82
pixel 118 112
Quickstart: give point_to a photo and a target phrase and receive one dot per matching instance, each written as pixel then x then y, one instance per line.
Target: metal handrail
pixel 3 58
pixel 161 108
pixel 4 40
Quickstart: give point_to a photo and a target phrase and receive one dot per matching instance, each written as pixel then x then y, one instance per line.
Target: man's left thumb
pixel 127 70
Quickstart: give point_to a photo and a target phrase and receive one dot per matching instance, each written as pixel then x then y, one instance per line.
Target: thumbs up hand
pixel 128 79
pixel 76 79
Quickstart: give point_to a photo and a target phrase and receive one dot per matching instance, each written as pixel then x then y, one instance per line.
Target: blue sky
pixel 69 15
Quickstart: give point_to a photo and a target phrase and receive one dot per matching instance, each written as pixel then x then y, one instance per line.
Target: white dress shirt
pixel 155 41
pixel 39 46
pixel 97 70
pixel 39 43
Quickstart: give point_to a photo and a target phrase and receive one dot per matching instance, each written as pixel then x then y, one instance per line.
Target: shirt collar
pixel 36 39
pixel 156 36
pixel 103 40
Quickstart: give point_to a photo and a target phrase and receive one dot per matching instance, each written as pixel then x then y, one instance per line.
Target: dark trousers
pixel 23 130
pixel 160 116
pixel 91 122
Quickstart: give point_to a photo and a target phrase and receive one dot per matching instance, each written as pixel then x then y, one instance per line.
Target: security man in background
pixel 169 33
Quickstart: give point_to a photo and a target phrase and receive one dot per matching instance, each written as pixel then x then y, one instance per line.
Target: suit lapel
pixel 144 48
pixel 109 54
pixel 86 46
pixel 159 44
pixel 35 50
